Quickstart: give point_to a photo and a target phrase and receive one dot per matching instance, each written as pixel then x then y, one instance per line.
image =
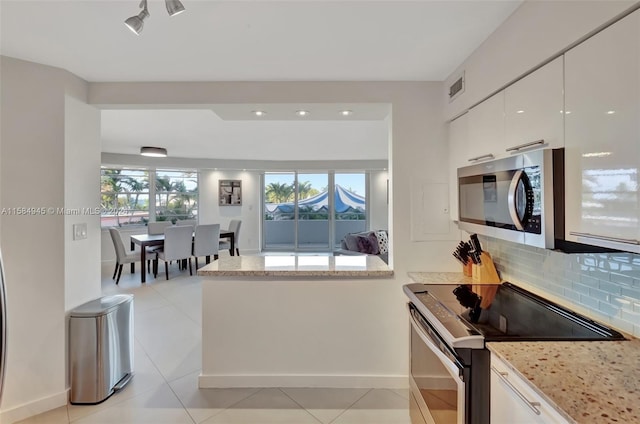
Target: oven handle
pixel 503 377
pixel 453 368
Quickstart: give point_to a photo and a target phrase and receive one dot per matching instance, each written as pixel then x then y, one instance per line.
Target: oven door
pixel 437 376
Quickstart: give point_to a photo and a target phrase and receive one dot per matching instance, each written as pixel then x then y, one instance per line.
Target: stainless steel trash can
pixel 100 348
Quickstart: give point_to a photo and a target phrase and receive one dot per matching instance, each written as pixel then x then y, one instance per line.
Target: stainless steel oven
pixel 438 376
pixel 449 363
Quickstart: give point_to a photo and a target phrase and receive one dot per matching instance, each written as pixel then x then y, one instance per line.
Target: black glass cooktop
pixel 509 313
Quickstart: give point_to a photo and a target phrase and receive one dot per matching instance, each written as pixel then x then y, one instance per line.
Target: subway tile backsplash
pixel 605 286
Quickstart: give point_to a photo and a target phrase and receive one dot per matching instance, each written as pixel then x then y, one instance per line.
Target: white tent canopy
pixel 344 201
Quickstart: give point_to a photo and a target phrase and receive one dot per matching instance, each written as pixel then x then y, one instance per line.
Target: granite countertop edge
pixel 297 273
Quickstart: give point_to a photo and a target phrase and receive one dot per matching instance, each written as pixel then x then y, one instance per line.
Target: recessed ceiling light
pixel 611 112
pixel 346 112
pixel 259 112
pixel 596 154
pixel 302 112
pixel 520 111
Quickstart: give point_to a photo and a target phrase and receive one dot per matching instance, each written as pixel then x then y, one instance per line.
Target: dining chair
pixel 234 226
pixel 178 242
pixel 122 255
pixel 192 222
pixel 206 242
pixel 155 228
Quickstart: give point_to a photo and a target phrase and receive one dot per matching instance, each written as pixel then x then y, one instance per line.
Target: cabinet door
pixel 534 109
pixel 602 95
pixel 486 130
pixel 457 158
pixel 513 401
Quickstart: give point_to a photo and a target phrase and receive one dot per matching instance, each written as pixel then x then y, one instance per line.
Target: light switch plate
pixel 79 231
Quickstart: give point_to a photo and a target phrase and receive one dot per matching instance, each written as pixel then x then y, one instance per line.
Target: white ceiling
pixel 259 40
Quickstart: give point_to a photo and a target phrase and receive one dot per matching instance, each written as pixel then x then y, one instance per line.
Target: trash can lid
pixel 101 306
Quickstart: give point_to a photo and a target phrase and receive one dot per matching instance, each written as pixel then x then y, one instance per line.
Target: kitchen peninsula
pixel 298 321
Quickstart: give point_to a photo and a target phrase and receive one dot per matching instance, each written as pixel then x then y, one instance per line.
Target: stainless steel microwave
pixel 519 198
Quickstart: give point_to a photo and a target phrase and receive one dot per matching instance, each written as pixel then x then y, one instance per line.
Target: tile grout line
pixel 350 406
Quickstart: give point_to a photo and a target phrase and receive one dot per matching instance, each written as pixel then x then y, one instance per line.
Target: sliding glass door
pixel 350 206
pixel 312 211
pixel 279 214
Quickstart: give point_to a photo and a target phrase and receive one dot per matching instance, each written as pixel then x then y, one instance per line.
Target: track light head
pixel 174 7
pixel 136 23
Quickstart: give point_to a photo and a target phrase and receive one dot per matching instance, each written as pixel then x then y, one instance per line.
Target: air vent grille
pixel 457 87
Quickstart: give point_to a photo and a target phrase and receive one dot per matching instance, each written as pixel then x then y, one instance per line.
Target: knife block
pixel 486 274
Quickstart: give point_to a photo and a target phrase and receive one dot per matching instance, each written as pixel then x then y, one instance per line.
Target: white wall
pixel 33 176
pixel 378 206
pixel 81 175
pixel 209 212
pixel 536 31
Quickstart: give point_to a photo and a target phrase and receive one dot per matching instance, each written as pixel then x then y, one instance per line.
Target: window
pixel 176 195
pixel 312 211
pixel 125 195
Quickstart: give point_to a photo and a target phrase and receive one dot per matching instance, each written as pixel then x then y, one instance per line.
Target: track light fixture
pixel 136 23
pixel 174 7
pixel 154 152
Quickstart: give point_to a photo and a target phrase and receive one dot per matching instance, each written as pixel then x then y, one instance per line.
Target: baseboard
pixel 33 408
pixel 330 381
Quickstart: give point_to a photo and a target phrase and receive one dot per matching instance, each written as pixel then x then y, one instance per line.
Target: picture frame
pixel 230 193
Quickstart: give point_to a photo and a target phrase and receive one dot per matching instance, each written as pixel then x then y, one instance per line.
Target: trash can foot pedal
pixel 123 382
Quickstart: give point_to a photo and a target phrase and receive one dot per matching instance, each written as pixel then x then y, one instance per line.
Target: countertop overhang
pixel 317 266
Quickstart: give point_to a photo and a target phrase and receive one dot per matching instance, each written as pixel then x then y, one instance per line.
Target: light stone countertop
pixel 439 278
pixel 587 382
pixel 297 266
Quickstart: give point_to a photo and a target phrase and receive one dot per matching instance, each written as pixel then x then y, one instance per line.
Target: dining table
pixel 153 240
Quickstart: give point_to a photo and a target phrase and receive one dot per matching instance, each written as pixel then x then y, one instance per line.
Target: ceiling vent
pixel 457 87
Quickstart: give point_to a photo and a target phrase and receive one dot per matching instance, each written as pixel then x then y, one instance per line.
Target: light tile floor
pixel 167 364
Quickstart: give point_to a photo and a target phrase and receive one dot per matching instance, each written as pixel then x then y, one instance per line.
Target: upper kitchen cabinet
pixel 602 121
pixel 458 140
pixel 485 130
pixel 533 109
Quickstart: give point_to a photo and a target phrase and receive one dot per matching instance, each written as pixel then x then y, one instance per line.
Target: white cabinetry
pixel 486 130
pixel 533 109
pixel 513 401
pixel 602 157
pixel 526 115
pixel 457 158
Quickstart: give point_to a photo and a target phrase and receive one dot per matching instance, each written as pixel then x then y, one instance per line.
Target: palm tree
pixel 110 187
pixel 305 190
pixel 136 185
pixel 279 192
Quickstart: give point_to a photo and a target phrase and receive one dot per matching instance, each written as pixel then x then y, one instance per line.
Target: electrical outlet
pixel 79 231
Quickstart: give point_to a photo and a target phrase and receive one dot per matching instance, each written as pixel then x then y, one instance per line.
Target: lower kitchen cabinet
pixel 513 401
